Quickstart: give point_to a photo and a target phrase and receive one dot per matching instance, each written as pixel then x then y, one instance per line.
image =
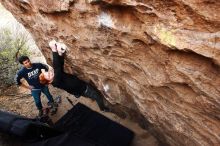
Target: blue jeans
pixel 36 93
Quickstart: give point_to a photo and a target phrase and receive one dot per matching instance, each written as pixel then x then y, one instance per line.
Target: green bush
pixel 10 44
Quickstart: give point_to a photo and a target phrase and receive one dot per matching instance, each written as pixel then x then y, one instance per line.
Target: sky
pixel 8 20
pixel 6 17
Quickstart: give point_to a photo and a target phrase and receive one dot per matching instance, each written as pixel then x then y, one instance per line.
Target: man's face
pixel 27 63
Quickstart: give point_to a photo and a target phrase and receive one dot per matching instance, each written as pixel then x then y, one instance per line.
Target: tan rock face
pixel 159 58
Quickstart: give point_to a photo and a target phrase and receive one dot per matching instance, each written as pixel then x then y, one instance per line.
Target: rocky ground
pixel 19 100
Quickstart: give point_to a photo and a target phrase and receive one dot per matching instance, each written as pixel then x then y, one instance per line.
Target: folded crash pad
pixel 24 128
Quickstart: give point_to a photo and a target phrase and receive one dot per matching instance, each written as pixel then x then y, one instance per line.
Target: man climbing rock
pixel 70 83
pixel 30 72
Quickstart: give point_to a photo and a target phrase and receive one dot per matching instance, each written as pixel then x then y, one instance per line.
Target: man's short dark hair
pixel 21 59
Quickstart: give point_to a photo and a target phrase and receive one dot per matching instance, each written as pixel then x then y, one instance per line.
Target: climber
pixel 69 82
pixel 30 72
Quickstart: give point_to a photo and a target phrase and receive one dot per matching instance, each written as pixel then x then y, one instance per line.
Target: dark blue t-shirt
pixel 31 75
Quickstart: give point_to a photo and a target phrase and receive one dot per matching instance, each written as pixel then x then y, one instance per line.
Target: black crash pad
pixel 94 127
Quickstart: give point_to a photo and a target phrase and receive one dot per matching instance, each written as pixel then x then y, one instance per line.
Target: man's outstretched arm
pixel 18 82
pixel 43 66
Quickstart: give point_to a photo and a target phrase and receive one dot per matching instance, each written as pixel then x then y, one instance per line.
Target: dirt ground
pixel 19 100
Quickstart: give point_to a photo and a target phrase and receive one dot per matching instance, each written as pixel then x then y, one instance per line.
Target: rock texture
pixel 158 58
